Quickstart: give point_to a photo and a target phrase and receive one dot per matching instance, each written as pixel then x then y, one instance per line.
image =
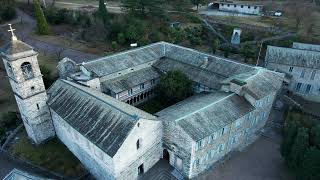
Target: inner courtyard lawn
pixel 53 155
pixel 153 105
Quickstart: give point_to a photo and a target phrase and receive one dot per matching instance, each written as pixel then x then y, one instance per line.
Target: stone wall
pixel 94 159
pixel 178 144
pixel 129 158
pixel 296 78
pixel 238 8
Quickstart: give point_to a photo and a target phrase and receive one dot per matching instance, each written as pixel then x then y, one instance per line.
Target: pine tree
pixel 42 25
pixel 102 12
pixel 310 165
pixel 300 145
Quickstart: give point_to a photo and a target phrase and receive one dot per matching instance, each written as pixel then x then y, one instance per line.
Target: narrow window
pixel 228 5
pixel 130 92
pixel 308 88
pixel 313 74
pixel 222 132
pixel 249 7
pixel 235 5
pixel 142 86
pixel 290 69
pixel 255 7
pixel 38 106
pixel 152 81
pixel 302 73
pixel 140 169
pixel 138 144
pixel 298 87
pixel 241 6
pixel 32 88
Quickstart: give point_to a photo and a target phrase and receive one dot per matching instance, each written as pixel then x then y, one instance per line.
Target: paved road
pixel 7 164
pixel 41 46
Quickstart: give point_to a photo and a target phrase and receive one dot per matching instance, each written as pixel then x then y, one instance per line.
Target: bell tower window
pixel 27 72
pixel 9 69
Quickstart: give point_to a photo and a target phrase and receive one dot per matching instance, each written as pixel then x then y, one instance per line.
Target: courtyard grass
pixel 52 155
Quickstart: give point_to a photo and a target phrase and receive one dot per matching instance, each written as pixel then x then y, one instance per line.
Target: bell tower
pixel 20 61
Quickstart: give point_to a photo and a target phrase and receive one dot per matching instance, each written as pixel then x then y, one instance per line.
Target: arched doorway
pixel 214 6
pixel 166 155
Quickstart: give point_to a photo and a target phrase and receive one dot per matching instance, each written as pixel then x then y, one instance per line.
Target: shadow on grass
pixel 53 155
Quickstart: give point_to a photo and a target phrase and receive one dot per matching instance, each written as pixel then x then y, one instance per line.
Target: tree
pixel 247 52
pixel 215 45
pixel 297 10
pixel 300 145
pixel 197 3
pixel 102 12
pixel 42 25
pixel 227 51
pixel 310 165
pixel 290 132
pixel 315 136
pixel 175 86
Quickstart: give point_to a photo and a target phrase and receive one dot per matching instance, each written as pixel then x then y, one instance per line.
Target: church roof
pixel 293 57
pixel 130 80
pixel 202 115
pixel 101 119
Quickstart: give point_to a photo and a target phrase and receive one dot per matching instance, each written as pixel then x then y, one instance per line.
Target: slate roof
pixel 293 57
pixel 303 46
pixel 130 80
pixel 259 83
pixel 101 119
pixel 202 115
pixel 124 60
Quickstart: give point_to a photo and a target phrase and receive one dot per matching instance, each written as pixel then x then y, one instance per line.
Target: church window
pixel 228 5
pixel 241 6
pixel 198 145
pixel 313 74
pixel 130 91
pixel 32 88
pixel 142 86
pixel 9 69
pixel 249 7
pixel 302 74
pixel 235 5
pixel 38 106
pixel 138 124
pixel 27 72
pixel 138 144
pixel 308 88
pixel 298 87
pixel 222 131
pixel 255 7
pixel 291 69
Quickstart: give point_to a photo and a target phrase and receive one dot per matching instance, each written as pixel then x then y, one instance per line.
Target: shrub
pixel 114 45
pixel 121 38
pixel 8 120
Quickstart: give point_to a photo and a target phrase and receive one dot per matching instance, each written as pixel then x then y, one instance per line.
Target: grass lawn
pixel 53 155
pixel 153 106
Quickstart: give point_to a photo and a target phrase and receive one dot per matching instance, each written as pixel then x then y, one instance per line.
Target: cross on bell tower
pixel 13 36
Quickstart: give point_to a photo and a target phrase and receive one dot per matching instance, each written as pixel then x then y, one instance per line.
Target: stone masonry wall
pixel 94 159
pixel 129 158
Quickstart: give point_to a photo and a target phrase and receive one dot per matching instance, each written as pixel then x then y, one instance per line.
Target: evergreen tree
pixel 215 45
pixel 42 25
pixel 298 149
pixel 102 12
pixel 311 165
pixel 315 136
pixel 247 52
pixel 290 132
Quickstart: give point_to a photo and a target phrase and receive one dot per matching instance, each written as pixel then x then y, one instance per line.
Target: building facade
pixel 238 7
pixel 91 108
pixel 301 65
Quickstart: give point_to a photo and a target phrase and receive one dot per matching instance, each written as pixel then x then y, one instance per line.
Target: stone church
pixel 91 108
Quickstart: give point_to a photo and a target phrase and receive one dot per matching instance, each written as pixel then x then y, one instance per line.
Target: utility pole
pixel 259 53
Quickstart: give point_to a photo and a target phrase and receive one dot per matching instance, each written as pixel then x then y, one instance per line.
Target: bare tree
pixel 298 11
